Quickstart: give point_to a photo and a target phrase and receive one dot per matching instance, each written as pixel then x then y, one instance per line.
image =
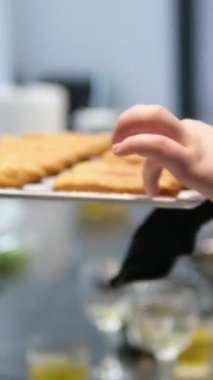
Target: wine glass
pixel 165 315
pixel 107 309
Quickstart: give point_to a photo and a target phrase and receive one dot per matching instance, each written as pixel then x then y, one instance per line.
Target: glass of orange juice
pixel 51 359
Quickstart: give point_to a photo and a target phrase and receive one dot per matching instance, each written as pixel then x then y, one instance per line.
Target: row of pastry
pixel 92 166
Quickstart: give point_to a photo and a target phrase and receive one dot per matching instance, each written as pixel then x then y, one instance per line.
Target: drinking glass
pixel 164 319
pixel 54 359
pixel 108 310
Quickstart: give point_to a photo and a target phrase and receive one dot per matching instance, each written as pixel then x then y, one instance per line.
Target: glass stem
pixel 112 341
pixel 112 369
pixel 166 369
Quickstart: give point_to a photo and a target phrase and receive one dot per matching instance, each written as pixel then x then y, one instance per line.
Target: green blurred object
pixel 13 256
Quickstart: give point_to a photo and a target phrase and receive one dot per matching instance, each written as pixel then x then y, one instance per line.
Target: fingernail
pixel 116 148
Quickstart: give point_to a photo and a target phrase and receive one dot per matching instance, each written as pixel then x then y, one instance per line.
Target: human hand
pixel 184 147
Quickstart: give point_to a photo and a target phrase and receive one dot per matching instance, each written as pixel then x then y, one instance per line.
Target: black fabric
pixel 156 244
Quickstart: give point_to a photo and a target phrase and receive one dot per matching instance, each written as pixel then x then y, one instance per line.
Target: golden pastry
pixel 103 176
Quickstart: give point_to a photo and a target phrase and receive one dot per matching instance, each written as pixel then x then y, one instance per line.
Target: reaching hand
pixel 184 147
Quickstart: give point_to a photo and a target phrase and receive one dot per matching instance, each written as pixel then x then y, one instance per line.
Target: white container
pixel 32 108
pixel 94 119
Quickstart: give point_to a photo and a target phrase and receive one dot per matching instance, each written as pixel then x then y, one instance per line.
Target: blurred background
pixel 76 64
pixel 109 55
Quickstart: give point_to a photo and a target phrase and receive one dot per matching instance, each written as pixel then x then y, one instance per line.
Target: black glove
pixel 164 236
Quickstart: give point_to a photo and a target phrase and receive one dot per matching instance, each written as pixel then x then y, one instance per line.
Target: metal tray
pixel 43 191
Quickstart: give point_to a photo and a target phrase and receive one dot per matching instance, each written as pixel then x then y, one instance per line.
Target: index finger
pixel 150 119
